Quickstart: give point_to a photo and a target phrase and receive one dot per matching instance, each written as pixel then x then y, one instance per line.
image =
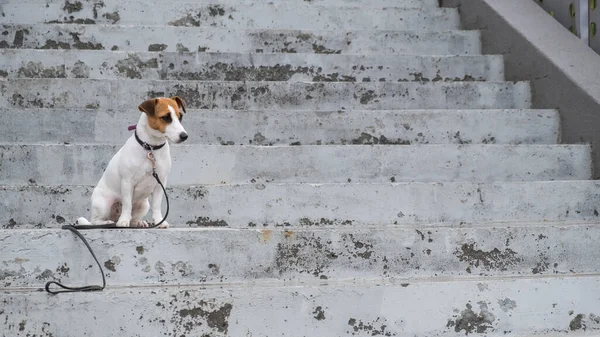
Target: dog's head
pixel 164 117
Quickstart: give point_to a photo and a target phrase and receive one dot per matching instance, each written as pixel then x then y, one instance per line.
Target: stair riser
pixel 556 307
pixel 137 257
pixel 280 127
pixel 242 67
pixel 259 204
pixel 81 93
pixel 197 164
pixel 239 41
pixel 255 16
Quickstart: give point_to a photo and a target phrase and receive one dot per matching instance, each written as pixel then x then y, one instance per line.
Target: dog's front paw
pixel 164 225
pixel 138 223
pixel 123 223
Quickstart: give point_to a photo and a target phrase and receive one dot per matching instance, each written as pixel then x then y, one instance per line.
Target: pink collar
pixel 131 127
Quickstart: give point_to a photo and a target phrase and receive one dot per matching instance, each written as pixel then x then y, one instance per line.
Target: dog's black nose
pixel 183 136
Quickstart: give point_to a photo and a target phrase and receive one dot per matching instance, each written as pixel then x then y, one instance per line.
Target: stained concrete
pixel 285 127
pixel 31 63
pixel 210 164
pixel 114 94
pixel 172 38
pixel 554 306
pixel 273 258
pixel 270 205
pixel 220 255
pixel 240 16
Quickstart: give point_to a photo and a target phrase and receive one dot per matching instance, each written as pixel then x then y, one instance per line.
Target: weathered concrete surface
pixel 31 63
pixel 362 3
pixel 110 94
pixel 210 164
pixel 170 38
pixel 284 127
pixel 563 69
pixel 549 305
pixel 30 258
pixel 253 16
pixel 264 204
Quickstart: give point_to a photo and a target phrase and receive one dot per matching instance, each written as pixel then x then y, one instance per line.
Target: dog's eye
pixel 180 117
pixel 167 118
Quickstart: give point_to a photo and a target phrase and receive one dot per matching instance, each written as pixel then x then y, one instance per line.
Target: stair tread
pixel 552 305
pixel 239 16
pixel 327 204
pixel 72 93
pixel 219 255
pixel 114 37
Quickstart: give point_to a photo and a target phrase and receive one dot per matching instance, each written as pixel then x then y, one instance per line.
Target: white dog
pixel 121 195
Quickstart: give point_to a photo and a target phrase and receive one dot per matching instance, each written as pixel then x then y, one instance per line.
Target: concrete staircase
pixel 354 168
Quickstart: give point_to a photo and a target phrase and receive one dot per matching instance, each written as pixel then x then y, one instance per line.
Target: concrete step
pixel 113 94
pixel 30 258
pixel 264 204
pixel 285 127
pixel 210 164
pixel 218 40
pixel 553 306
pixel 30 63
pixel 362 3
pixel 253 16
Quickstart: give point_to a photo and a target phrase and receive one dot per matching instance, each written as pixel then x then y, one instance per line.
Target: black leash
pixel 75 229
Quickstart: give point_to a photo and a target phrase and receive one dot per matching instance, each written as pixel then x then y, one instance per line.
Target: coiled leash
pixel 75 229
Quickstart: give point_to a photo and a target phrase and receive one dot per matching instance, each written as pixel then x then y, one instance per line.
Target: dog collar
pixel 147 146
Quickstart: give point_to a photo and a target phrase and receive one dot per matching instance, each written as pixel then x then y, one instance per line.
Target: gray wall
pixel 565 73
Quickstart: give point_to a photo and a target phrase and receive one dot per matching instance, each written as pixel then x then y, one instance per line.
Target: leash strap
pixel 75 229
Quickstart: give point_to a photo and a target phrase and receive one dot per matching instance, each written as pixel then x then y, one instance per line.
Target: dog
pixel 121 195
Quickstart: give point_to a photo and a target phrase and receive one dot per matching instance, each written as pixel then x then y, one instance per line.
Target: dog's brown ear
pixel 179 103
pixel 148 106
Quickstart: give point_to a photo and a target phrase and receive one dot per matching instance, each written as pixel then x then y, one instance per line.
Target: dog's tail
pixel 83 222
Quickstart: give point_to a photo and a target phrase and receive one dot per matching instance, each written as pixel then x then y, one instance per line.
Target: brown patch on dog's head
pixel 159 115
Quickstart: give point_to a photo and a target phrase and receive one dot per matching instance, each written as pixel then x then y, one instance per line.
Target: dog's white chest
pixel 145 183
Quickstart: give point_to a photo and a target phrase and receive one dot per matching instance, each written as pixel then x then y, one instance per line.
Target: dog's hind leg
pixel 105 211
pixel 140 209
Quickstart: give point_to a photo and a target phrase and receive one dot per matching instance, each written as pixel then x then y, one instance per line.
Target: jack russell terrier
pixel 121 195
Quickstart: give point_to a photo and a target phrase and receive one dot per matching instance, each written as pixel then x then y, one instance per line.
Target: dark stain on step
pixel 377 327
pixel 472 322
pixel 114 17
pixel 37 70
pixel 278 72
pixel 320 49
pixel 367 97
pixel 19 38
pixel 71 7
pixel 52 44
pixel 216 10
pixel 46 274
pixel 367 139
pixel 63 270
pixel 11 224
pixel 157 47
pixel 206 222
pixel 490 260
pixel 590 322
pixel 187 21
pixel 78 44
pixel 112 263
pixel 319 313
pixel 132 66
pixel 72 20
pixel 210 313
